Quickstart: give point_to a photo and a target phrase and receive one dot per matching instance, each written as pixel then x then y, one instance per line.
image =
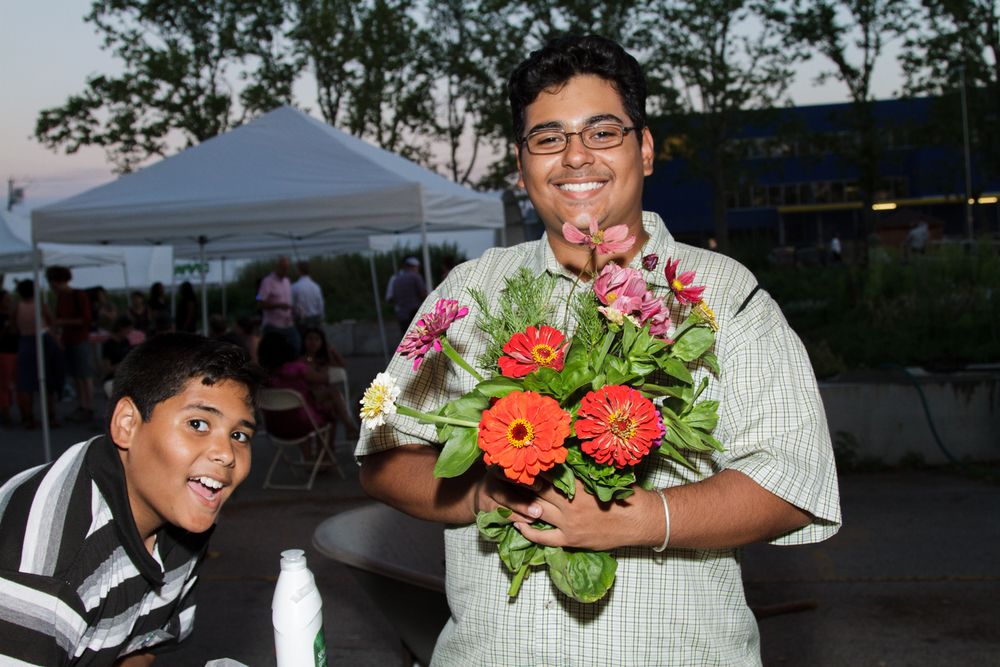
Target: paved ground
pixel 913 578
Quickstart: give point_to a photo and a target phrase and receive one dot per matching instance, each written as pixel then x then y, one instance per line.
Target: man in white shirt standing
pixel 307 300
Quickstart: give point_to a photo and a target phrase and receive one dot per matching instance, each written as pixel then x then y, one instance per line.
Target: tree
pixel 179 58
pixel 831 28
pixel 718 67
pixel 955 34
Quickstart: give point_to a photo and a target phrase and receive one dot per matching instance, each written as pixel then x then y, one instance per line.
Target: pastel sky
pixel 47 51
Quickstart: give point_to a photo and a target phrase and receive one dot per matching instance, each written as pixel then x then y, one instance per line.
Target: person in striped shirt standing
pixel 99 551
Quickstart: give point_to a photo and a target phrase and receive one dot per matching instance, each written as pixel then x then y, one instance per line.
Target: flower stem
pixel 579 279
pixel 457 358
pixel 515 585
pixel 410 412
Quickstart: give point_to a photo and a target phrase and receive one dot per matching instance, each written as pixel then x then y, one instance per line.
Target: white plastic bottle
pixel 297 615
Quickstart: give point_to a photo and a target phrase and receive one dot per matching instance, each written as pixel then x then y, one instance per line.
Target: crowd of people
pixel 87 337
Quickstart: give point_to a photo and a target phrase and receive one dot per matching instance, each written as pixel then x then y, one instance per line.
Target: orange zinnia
pixel 618 425
pixel 524 433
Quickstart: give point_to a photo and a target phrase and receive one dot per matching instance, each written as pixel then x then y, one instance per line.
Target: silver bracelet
pixel 666 514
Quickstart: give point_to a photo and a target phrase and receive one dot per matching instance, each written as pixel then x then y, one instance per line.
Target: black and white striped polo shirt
pixel 77 586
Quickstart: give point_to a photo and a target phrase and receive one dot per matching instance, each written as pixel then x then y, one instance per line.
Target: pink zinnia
pixel 680 285
pixel 430 327
pixel 607 241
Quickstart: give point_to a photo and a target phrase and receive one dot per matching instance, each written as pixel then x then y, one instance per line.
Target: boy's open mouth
pixel 206 487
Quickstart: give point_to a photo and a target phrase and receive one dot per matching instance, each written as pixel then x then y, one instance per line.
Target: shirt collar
pixel 106 469
pixel 660 243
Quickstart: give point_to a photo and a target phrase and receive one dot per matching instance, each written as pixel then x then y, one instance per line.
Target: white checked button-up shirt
pixel 684 607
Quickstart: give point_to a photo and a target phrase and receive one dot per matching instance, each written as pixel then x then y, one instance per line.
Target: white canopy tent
pixel 282 178
pixel 16 255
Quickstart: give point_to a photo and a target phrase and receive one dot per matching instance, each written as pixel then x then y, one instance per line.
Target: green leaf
pixel 712 362
pixel 493 525
pixel 544 381
pixel 675 368
pixel 693 343
pixel 585 576
pixel 459 453
pixel 564 479
pixel 499 386
pixel 642 367
pixel 666 450
pixel 629 333
pixel 703 416
pixel 470 406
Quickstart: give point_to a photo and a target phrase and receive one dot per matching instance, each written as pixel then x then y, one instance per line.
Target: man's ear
pixel 520 174
pixel 125 422
pixel 648 152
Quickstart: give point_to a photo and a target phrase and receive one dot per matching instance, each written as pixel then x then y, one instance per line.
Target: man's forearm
pixel 728 510
pixel 404 478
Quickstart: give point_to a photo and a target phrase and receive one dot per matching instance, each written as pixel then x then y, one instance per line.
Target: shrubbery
pixel 938 311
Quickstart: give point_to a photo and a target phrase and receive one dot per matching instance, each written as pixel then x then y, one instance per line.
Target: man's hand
pixel 723 511
pixel 587 523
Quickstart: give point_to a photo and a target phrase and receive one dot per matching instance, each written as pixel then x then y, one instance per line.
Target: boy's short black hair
pixel 565 57
pixel 58 274
pixel 26 289
pixel 159 369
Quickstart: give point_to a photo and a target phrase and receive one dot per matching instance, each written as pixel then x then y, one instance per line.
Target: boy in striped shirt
pixel 99 550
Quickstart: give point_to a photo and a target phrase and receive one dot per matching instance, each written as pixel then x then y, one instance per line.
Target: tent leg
pixel 378 308
pixel 204 287
pixel 40 358
pixel 427 256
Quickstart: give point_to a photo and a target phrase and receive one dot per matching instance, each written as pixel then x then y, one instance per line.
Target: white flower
pixel 613 314
pixel 379 401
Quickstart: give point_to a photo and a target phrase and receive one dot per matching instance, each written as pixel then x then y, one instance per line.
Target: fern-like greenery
pixel 591 326
pixel 525 301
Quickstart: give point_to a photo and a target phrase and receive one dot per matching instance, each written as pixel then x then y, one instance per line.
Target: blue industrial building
pixel 806 192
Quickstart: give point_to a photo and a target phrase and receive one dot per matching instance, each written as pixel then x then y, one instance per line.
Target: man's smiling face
pixel 580 183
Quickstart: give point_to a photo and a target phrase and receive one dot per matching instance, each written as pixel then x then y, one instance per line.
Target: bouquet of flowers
pixel 590 406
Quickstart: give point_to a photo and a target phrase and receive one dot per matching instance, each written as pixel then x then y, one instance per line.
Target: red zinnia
pixel 524 434
pixel 534 349
pixel 618 424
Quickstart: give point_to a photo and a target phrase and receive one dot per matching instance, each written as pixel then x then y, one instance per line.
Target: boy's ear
pixel 125 422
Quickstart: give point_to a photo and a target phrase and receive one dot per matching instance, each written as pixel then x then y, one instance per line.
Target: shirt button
pixel 550 605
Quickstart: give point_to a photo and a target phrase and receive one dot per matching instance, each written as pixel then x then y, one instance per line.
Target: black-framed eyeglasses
pixel 595 137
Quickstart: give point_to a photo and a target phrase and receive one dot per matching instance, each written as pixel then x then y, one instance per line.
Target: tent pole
pixel 378 308
pixel 125 276
pixel 204 288
pixel 427 256
pixel 223 288
pixel 40 355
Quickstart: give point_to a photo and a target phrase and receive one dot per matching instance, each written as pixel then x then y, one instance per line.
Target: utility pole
pixel 968 162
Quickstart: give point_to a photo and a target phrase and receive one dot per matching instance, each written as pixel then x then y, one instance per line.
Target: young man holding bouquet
pixel 583 151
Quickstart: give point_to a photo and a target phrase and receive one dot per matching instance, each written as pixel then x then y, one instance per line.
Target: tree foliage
pixel 852 35
pixel 717 67
pixel 954 34
pixel 181 60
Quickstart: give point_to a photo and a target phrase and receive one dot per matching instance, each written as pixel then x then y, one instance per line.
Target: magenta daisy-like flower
pixel 428 330
pixel 680 285
pixel 607 241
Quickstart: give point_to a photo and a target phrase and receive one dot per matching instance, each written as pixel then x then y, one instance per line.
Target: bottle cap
pixel 293 559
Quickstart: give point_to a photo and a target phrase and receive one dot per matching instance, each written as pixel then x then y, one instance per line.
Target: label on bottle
pixel 319 649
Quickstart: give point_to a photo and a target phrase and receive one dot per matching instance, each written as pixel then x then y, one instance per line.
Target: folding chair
pixel 288 423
